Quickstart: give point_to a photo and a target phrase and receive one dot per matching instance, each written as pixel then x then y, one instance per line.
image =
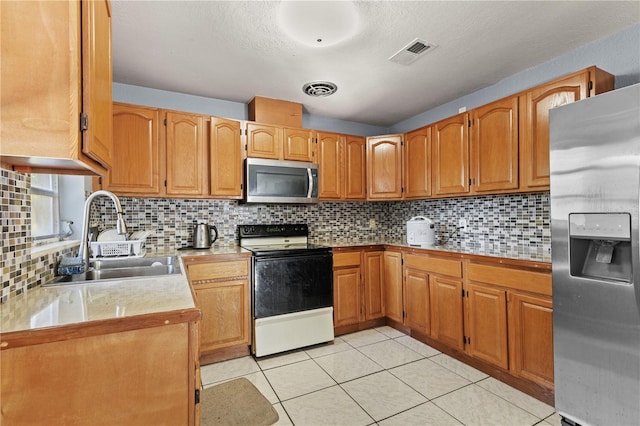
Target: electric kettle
pixel 202 238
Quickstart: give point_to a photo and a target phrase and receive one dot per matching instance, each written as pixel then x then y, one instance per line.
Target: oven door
pixel 291 283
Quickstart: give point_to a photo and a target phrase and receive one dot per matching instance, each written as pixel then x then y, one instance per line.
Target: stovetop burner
pixel 278 239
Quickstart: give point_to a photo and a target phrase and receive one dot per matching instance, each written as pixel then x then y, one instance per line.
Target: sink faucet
pixel 83 251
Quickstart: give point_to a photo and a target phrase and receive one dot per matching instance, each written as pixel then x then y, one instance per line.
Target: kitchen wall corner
pixel 20 270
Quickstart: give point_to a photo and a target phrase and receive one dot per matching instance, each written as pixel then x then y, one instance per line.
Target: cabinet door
pixel 346 296
pixel 329 165
pixel 96 80
pixel 446 311
pixel 535 132
pixel 225 159
pixel 225 314
pixel 487 324
pixel 531 337
pixel 451 156
pixel 494 146
pixel 416 300
pixel 186 154
pixel 384 167
pixel 373 285
pixel 417 163
pixel 298 145
pixel 355 168
pixel 264 141
pixel 393 286
pixel 136 154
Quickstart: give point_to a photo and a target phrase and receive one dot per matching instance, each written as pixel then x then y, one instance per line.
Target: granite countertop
pixel 527 253
pixel 64 304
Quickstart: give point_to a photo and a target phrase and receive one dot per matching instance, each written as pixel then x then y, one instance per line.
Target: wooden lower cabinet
pixel 346 296
pixel 110 374
pixel 446 311
pixel 416 300
pixel 531 337
pixel 486 315
pixel 357 289
pixel 393 286
pixel 509 318
pixel 221 285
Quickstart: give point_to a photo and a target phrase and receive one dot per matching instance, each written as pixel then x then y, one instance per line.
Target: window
pixel 45 206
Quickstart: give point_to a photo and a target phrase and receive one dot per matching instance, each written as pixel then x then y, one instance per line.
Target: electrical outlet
pixel 462 224
pixel 372 224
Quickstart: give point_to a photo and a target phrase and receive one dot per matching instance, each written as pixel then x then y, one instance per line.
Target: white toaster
pixel 421 232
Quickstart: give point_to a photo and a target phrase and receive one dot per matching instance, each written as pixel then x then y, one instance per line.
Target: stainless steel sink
pixel 110 269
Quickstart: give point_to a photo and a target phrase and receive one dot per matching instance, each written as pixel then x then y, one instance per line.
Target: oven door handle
pixel 310 176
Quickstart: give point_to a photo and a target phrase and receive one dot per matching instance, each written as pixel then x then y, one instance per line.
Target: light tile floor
pixel 381 377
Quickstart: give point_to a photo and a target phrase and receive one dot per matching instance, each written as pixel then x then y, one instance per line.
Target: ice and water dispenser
pixel 600 246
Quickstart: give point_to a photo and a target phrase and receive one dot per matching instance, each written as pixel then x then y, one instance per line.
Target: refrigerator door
pixel 595 179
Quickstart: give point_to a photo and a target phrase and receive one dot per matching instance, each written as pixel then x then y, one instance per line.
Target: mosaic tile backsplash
pixel 505 220
pixel 20 270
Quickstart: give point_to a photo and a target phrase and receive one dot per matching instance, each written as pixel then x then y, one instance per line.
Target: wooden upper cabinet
pixel 49 81
pixel 417 163
pixel 278 143
pixel 264 141
pixel 494 146
pixel 535 106
pixel 330 168
pixel 186 172
pixel 225 159
pixel 355 168
pixel 298 145
pixel 97 80
pixel 384 167
pixel 342 165
pixel 137 153
pixel 451 156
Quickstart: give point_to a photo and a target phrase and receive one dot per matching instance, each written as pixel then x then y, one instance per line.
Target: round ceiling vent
pixel 319 88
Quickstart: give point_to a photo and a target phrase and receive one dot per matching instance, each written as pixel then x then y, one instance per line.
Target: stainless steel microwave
pixel 277 181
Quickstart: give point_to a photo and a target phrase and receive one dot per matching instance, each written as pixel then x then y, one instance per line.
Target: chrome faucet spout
pixel 83 251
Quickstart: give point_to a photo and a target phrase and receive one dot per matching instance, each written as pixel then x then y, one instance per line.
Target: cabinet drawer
pixel 536 282
pixel 218 270
pixel 351 258
pixel 434 265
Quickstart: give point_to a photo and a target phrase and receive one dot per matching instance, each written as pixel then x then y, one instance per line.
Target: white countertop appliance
pixel 421 232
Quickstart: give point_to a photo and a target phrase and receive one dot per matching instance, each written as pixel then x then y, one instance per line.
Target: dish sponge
pixel 71 266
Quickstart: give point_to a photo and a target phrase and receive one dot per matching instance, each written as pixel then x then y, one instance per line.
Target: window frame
pixel 54 194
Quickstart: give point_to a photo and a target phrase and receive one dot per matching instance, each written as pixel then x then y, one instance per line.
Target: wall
pixel 618 54
pixel 21 270
pixel 227 109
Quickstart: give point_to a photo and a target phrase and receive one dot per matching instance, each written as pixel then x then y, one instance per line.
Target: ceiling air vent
pixel 411 52
pixel 319 88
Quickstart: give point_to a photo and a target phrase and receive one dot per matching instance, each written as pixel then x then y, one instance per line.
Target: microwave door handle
pixel 310 176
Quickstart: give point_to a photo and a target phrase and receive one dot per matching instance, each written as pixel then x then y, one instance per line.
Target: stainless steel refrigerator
pixel 595 200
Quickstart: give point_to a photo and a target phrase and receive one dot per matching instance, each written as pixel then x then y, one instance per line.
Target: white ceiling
pixel 235 50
